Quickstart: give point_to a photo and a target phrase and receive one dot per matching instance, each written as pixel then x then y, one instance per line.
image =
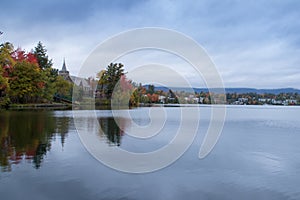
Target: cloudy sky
pixel 252 43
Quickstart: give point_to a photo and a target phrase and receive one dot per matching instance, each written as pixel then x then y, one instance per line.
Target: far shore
pixel 62 106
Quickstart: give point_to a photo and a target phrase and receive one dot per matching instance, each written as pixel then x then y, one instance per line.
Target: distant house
pixel 196 100
pixel 162 99
pixel 201 100
pixel 277 102
pixel 263 100
pixel 243 100
pixel 83 83
pixel 87 85
pixel 291 101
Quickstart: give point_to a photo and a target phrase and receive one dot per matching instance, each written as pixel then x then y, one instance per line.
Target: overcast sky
pixel 252 43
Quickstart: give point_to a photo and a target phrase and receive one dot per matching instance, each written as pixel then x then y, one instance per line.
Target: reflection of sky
pixel 248 40
pixel 268 162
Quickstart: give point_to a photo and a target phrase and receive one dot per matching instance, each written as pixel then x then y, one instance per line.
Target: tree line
pixel 114 88
pixel 113 83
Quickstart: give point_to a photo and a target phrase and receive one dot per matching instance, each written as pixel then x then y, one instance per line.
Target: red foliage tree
pixel 19 56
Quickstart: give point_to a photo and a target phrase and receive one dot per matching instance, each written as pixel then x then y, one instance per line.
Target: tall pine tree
pixel 41 54
pixel 50 74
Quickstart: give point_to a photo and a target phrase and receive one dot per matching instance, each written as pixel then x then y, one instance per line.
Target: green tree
pixel 40 53
pixel 109 78
pixel 6 63
pixel 144 99
pixel 63 87
pixel 49 74
pixel 6 50
pixel 101 83
pixel 4 90
pixel 151 89
pixel 26 83
pixel 134 98
pixel 50 81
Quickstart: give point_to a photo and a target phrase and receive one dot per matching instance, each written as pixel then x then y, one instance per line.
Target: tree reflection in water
pixel 27 136
pixel 112 131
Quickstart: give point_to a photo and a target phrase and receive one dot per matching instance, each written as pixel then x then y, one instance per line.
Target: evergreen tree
pixel 110 78
pixel 41 54
pixel 50 74
pixel 151 89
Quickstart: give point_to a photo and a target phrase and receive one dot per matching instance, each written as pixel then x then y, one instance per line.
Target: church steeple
pixel 64 72
pixel 64 68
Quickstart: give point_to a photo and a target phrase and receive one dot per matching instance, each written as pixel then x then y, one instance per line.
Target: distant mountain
pixel 232 90
pixel 262 91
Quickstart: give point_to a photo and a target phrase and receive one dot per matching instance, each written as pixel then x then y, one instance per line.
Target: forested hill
pixel 234 90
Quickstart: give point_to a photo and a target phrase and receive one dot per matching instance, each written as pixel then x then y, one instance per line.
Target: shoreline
pixel 40 106
pixel 61 106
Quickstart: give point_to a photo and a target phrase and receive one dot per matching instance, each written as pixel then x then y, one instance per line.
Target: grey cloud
pixel 248 40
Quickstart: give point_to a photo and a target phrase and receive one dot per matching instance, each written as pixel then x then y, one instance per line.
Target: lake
pixel 256 157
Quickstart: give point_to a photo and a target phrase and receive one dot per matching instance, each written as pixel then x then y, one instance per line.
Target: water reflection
pixel 28 135
pixel 111 129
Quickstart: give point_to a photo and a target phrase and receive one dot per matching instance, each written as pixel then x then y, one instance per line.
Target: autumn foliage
pixel 23 77
pixel 20 55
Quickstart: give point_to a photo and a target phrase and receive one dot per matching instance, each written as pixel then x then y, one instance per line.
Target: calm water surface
pixel 256 157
